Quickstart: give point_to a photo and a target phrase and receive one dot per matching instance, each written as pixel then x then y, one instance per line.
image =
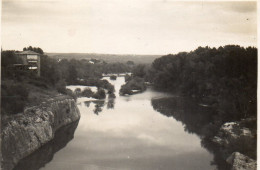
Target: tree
pixel 72 77
pixel 35 49
pixel 130 63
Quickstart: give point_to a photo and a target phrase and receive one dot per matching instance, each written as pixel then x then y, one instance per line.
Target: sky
pixel 127 26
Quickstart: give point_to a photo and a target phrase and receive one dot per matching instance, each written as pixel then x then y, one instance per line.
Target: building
pixel 31 60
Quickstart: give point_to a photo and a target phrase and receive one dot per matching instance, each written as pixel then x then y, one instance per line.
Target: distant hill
pixel 109 58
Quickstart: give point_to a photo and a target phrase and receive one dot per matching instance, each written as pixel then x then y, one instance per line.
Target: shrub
pixel 100 94
pixel 61 87
pixel 13 98
pixel 111 95
pixel 135 83
pixel 77 91
pixel 37 83
pixel 87 93
pixel 128 78
pixel 71 93
pixel 113 77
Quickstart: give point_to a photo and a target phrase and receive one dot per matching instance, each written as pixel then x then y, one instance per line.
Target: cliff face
pixel 28 131
pixel 45 154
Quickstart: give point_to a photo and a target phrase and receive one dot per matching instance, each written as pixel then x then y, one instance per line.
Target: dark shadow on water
pixel 87 103
pixel 98 106
pixel 45 154
pixel 111 104
pixel 196 119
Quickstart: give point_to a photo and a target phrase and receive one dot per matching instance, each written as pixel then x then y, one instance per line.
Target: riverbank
pixel 237 140
pixel 45 154
pixel 225 141
pixel 129 134
pixel 24 133
pixel 133 85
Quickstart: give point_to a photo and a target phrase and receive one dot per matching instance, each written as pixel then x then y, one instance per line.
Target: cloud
pixel 129 26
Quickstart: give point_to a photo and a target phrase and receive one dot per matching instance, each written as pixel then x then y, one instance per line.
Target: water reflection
pixel 98 106
pixel 45 154
pixel 111 104
pixel 87 103
pixel 196 119
pixel 128 133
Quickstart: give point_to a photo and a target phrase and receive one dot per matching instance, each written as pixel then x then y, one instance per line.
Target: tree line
pixel 18 84
pixel 224 77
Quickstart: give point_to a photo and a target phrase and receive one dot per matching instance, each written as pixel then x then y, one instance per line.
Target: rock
pixel 217 140
pixel 27 132
pixel 231 132
pixel 239 161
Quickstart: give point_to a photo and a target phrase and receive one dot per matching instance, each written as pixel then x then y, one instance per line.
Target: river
pixel 127 133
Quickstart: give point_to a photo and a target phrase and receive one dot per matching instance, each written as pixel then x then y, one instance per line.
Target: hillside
pixel 109 58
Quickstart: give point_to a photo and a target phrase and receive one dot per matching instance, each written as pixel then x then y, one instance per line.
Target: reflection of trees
pixel 87 103
pixel 196 119
pixel 45 154
pixel 218 154
pixel 99 106
pixel 193 116
pixel 111 103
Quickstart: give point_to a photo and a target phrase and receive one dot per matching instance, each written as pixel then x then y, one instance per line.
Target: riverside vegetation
pixel 21 88
pixel 223 80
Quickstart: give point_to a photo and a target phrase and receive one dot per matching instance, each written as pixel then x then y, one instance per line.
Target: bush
pixel 13 98
pixel 111 96
pixel 61 87
pixel 87 93
pixel 37 83
pixel 128 78
pixel 71 93
pixel 113 77
pixel 135 83
pixel 77 91
pixel 100 94
pixel 103 84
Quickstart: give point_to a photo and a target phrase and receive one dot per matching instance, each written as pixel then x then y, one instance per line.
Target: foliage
pixel 49 70
pixel 135 83
pixel 139 71
pixel 128 78
pixel 72 74
pixel 35 49
pixel 87 93
pixel 61 87
pixel 13 97
pixel 223 77
pixel 130 63
pixel 113 77
pixel 100 94
pixel 116 68
pixel 111 96
pixel 8 58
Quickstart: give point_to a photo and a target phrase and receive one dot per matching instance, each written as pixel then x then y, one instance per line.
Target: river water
pixel 127 133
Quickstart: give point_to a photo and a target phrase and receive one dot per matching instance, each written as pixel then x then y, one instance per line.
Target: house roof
pixel 28 52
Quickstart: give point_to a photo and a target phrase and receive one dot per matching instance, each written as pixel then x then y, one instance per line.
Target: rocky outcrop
pixel 28 131
pixel 238 139
pixel 231 132
pixel 45 154
pixel 239 161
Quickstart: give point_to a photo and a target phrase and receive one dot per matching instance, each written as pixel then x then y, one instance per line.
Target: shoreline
pixel 28 131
